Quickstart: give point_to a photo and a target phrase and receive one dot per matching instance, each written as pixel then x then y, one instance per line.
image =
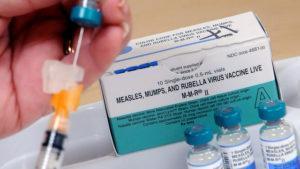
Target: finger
pixel 107 45
pixel 95 63
pixel 24 22
pixel 120 11
pixel 4 35
pixel 3 25
pixel 10 8
pixel 99 51
pixel 120 16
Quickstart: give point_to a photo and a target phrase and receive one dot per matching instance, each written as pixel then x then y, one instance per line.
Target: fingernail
pixel 126 29
pixel 123 6
pixel 121 3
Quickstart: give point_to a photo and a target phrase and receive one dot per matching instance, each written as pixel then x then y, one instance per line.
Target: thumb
pixel 10 8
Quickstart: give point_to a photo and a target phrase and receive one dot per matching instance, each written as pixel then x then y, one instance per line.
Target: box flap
pixel 221 32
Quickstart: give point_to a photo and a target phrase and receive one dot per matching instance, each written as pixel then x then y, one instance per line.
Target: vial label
pixel 237 157
pixel 280 154
pixel 217 165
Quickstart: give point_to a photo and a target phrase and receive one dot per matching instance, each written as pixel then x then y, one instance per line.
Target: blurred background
pixel 280 18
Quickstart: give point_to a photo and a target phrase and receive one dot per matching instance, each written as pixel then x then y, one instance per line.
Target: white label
pixel 216 165
pixel 280 153
pixel 240 156
pixel 222 71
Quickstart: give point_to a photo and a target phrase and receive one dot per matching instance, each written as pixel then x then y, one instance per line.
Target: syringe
pixel 51 154
pixel 85 14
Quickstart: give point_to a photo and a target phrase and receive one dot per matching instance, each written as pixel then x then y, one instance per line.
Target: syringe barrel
pixel 52 151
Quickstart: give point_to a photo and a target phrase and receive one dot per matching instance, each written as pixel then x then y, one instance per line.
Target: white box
pixel 163 83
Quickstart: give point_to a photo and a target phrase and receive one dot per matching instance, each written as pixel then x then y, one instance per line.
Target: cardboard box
pixel 163 83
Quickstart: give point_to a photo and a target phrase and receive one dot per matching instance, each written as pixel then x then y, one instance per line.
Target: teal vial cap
pixel 228 117
pixel 271 110
pixel 198 135
pixel 86 16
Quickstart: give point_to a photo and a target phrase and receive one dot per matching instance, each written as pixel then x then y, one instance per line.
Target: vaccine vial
pixel 202 155
pixel 87 14
pixel 234 140
pixel 277 137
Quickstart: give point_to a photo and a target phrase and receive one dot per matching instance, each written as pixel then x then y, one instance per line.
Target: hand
pixel 30 33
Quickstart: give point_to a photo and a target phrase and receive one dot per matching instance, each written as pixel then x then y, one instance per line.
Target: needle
pixel 78 46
